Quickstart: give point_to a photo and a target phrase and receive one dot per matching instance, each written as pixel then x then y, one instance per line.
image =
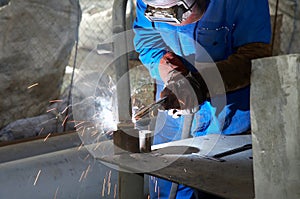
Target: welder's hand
pixel 184 94
pixel 171 64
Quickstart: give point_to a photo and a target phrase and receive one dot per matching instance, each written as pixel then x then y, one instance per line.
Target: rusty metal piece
pixel 126 140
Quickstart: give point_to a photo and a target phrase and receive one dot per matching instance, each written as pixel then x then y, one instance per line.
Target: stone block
pixel 275 122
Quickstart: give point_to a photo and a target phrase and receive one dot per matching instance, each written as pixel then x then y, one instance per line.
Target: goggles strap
pixel 189 8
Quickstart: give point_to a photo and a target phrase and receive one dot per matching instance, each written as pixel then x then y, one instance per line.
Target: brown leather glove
pixel 184 93
pixel 235 73
pixel 170 64
pixel 183 90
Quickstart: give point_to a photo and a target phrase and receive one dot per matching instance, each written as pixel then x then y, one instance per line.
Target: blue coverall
pixel 225 26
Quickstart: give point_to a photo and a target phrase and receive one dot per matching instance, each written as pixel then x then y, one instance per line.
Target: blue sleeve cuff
pixel 152 63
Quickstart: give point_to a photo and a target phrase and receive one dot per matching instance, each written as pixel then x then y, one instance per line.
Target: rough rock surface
pixel 287 37
pixel 35 44
pixel 95 28
pixel 275 116
pixel 52 121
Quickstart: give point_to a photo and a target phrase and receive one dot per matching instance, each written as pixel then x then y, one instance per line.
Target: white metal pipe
pixel 68 172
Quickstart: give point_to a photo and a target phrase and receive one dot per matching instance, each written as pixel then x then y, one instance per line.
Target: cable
pixel 294 27
pixel 274 26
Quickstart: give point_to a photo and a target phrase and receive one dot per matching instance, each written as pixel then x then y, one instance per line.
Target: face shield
pixel 170 11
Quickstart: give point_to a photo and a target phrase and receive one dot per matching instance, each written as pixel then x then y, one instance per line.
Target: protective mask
pixel 168 11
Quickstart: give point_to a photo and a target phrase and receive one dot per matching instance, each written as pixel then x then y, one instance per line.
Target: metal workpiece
pixel 126 141
pixel 185 162
pixel 145 140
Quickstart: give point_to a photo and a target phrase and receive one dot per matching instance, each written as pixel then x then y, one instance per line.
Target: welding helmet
pixel 172 11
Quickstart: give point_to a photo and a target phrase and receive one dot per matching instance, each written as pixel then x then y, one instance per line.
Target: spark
pixel 63 123
pixel 109 183
pixel 97 147
pixel 55 195
pixel 115 190
pixel 82 174
pixel 80 146
pixel 109 175
pixel 41 130
pixel 108 188
pixel 37 177
pixel 155 187
pixel 65 109
pixel 83 131
pixel 53 109
pixel 79 128
pixel 47 137
pixel 181 102
pixel 103 187
pixel 79 124
pixel 86 157
pixel 33 85
pixel 86 172
pixel 54 101
pixel 94 133
pixel 185 170
pixel 75 121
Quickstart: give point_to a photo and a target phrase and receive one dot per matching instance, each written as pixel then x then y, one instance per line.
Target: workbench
pixel 189 162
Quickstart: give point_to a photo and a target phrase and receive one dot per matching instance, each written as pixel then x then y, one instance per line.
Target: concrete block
pixel 275 118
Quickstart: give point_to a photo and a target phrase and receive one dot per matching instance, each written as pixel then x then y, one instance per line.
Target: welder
pixel 171 36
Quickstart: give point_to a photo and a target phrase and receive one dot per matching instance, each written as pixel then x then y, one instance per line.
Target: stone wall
pixel 287 37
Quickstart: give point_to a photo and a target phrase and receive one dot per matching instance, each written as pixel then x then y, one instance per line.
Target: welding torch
pixel 147 109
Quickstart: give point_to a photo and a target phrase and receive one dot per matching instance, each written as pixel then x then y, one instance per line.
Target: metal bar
pixel 121 60
pixel 233 151
pixel 187 125
pixel 130 184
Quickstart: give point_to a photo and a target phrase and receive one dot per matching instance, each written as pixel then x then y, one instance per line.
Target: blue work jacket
pixel 225 26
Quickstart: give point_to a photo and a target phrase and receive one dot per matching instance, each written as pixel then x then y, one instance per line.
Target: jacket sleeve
pixel 251 38
pixel 236 70
pixel 148 42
